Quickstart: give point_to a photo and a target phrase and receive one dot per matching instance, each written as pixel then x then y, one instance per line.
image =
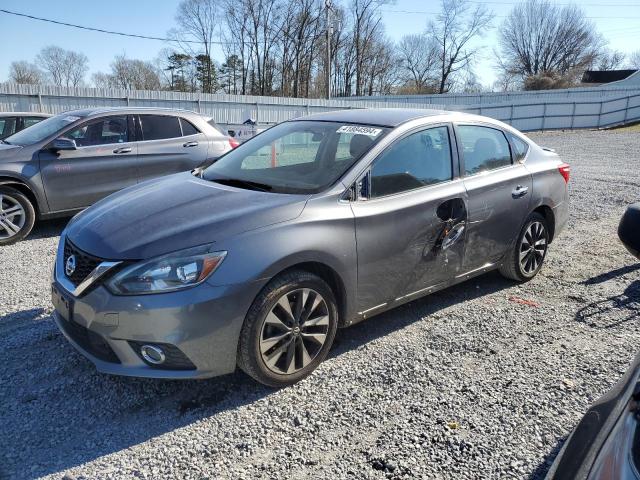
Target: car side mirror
pixel 63 144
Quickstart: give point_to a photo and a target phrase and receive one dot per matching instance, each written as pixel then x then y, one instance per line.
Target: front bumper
pixel 203 323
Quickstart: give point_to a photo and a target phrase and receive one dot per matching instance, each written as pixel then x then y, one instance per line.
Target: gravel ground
pixel 471 382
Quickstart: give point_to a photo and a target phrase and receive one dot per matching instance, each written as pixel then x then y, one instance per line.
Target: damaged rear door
pixel 410 219
pixel 499 190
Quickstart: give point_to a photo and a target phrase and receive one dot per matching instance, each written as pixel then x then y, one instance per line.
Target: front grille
pixel 174 358
pixel 89 341
pixel 85 263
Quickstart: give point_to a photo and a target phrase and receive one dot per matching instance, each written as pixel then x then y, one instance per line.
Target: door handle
pixel 122 150
pixel 520 191
pixel 190 144
pixel 453 236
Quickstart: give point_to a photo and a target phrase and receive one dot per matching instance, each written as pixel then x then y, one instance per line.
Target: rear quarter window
pixel 188 128
pixel 520 148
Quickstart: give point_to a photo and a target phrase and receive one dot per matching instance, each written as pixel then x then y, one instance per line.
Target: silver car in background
pixel 314 224
pixel 70 161
pixel 12 122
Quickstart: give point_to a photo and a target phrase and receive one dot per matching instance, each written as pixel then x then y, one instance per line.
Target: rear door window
pixel 483 148
pixel 101 131
pixel 159 127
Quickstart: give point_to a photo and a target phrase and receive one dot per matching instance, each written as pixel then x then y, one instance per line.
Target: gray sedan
pixel 68 162
pixel 315 224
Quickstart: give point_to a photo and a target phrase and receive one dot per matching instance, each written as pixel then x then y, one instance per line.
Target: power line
pixel 100 30
pixel 423 12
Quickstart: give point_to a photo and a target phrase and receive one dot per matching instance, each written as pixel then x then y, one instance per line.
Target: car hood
pixel 172 213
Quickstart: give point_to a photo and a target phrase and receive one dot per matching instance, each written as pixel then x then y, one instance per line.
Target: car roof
pixel 384 117
pixel 24 114
pixel 86 112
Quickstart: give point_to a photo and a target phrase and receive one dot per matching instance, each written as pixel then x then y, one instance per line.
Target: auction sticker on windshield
pixel 359 130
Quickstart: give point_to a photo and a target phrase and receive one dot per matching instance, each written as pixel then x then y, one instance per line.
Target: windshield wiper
pixel 237 182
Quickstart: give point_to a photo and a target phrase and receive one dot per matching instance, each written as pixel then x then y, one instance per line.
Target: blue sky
pixel 617 20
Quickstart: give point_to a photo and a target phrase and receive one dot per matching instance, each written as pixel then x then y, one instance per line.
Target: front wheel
pixel 525 259
pixel 17 216
pixel 288 330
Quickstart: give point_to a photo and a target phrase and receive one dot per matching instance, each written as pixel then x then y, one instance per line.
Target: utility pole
pixel 327 4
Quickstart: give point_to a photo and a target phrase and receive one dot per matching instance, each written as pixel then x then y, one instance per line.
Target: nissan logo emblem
pixel 70 266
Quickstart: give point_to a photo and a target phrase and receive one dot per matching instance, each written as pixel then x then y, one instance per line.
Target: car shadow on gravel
pixel 47 229
pixel 541 470
pixel 396 319
pixel 612 311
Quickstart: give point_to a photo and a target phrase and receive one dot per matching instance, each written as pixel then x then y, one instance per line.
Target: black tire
pixel 289 286
pixel 513 266
pixel 11 199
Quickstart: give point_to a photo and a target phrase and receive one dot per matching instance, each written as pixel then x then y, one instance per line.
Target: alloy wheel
pixel 294 331
pixel 533 248
pixel 12 216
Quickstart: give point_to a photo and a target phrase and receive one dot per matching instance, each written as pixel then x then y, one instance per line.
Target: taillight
pixel 565 171
pixel 233 142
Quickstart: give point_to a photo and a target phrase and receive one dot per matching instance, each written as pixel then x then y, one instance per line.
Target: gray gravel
pixel 468 383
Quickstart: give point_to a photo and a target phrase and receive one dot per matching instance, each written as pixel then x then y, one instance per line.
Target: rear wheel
pixel 17 215
pixel 525 259
pixel 289 329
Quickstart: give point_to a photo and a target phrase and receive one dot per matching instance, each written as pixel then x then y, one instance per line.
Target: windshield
pixel 41 130
pixel 295 157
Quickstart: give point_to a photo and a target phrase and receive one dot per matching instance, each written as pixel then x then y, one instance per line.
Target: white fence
pixel 543 110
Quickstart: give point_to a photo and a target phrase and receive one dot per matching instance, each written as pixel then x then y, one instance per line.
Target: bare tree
pixel 65 68
pixel 457 25
pixel 634 60
pixel 197 22
pixel 367 26
pixel 129 74
pixel 418 57
pixel 25 73
pixel 539 39
pixel 609 60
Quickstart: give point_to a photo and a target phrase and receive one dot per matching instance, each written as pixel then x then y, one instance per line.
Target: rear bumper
pixel 202 324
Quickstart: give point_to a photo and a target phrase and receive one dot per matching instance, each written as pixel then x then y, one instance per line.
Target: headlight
pixel 174 271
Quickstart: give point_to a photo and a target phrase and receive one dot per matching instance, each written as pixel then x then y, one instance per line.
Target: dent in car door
pixel 411 237
pixel 103 163
pixel 165 150
pixel 499 191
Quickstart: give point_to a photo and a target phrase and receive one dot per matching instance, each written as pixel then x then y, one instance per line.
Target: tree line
pixel 279 48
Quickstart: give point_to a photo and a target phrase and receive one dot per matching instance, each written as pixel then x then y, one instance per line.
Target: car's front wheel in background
pixel 17 215
pixel 526 257
pixel 289 329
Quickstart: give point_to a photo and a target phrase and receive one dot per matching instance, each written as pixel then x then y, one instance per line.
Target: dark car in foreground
pixel 68 162
pixel 605 445
pixel 314 224
pixel 13 122
pixel 629 229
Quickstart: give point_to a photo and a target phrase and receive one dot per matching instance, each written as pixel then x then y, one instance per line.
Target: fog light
pixel 152 354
